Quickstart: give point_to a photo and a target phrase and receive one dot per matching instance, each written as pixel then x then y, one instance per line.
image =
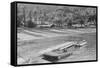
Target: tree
pixel 24 16
pixel 69 24
pixel 30 23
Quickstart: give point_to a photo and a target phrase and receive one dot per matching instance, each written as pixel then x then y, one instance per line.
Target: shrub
pixel 31 24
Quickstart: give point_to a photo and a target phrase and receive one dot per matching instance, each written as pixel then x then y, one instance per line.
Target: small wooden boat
pixel 62 51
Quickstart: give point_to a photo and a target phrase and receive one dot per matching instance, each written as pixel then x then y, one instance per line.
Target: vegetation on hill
pixel 29 15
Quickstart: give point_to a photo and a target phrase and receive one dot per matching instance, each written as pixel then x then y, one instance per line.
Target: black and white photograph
pixel 55 33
